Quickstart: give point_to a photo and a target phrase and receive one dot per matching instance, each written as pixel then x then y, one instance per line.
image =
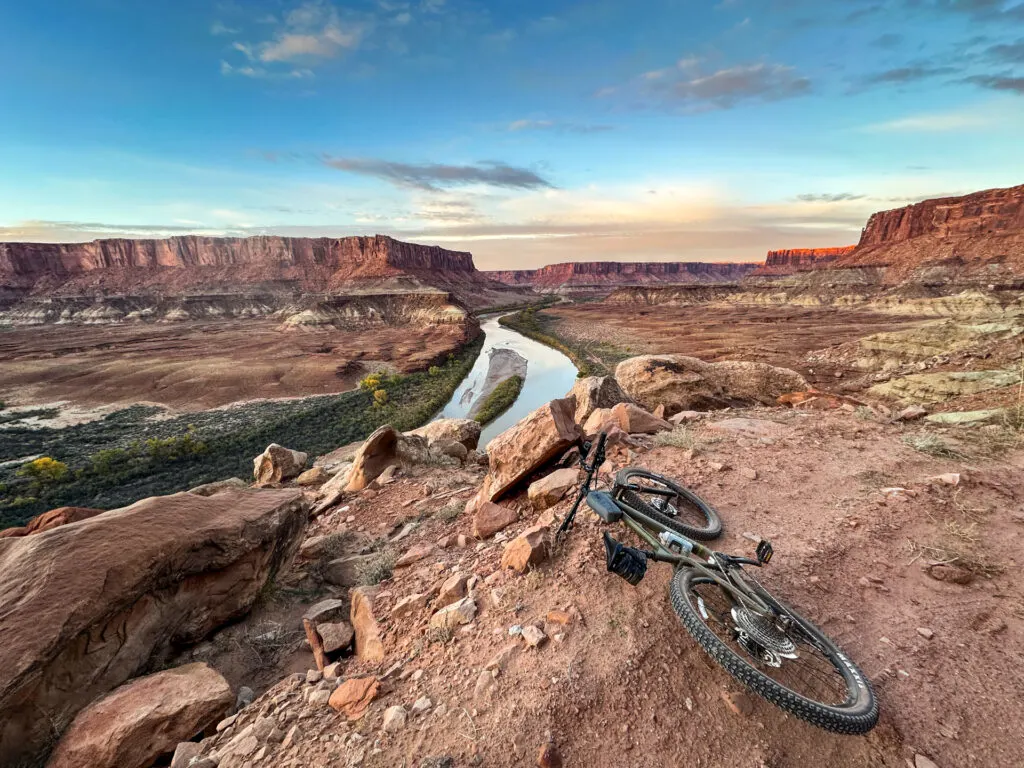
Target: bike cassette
pixel 761 638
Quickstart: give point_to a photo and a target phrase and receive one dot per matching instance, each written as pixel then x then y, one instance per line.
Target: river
pixel 549 374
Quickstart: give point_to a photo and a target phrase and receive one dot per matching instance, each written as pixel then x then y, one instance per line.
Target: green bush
pixel 380 397
pixel 434 371
pixel 500 400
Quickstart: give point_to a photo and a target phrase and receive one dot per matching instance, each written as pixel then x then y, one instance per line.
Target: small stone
pixel 739 703
pixel 245 697
pixel 461 612
pixel 716 466
pixel 500 660
pixel 533 636
pixel 560 617
pixel 293 737
pixel 354 696
pixel 748 473
pixel 453 589
pixel 920 761
pixel 421 705
pixel 394 719
pixel 184 753
pixel 227 722
pixel 549 756
pixel 529 548
pixel 333 671
pixel 414 555
pixel 319 696
pixel 949 478
pixel 484 685
pixel 314 676
pixel 952 574
pixel 491 518
pixel 410 605
pixel 911 413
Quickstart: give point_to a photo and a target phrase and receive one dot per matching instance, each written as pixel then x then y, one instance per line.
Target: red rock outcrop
pixel 609 274
pixel 786 262
pixel 983 231
pixel 52 519
pixel 85 607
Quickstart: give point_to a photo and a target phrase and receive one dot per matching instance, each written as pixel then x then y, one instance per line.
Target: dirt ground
pixel 623 683
pixel 776 335
pixel 195 365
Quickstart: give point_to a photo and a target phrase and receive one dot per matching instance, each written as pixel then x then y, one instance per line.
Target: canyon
pixel 602 275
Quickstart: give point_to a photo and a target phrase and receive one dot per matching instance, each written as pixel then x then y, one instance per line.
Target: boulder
pixel 369 643
pixel 143 719
pixel 450 448
pixel 379 451
pixel 414 555
pixel 686 383
pixel 528 445
pixel 600 420
pixel 410 605
pixel 277 464
pixel 335 635
pixel 633 419
pixel 529 548
pixel 314 476
pixel 550 489
pixel 52 519
pixel 208 489
pixel 490 518
pixel 147 580
pixel 330 609
pixel 465 431
pixel 595 392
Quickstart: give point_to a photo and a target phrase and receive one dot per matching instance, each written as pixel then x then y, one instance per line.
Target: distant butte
pixel 611 274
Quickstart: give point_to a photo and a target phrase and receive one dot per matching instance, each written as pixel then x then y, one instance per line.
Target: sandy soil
pixel 625 685
pixel 775 335
pixel 193 366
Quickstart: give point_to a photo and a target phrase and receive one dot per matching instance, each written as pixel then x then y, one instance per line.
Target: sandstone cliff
pixel 612 274
pixel 980 235
pixel 190 266
pixel 786 262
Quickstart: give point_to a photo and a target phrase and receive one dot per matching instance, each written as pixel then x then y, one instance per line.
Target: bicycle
pixel 766 646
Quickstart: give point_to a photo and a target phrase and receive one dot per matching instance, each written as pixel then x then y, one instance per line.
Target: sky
pixel 525 132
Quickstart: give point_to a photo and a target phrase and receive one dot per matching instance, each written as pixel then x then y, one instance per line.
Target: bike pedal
pixel 627 562
pixel 764 551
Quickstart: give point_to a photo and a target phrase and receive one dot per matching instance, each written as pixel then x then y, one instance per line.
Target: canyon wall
pixel 786 262
pixel 977 237
pixel 193 265
pixel 611 274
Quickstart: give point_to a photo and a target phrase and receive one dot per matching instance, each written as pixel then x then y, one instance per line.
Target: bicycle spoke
pixel 811 674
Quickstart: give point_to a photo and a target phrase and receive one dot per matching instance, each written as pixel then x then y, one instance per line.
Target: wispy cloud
pixel 433 175
pixel 1009 53
pixel 829 197
pixel 312 30
pixel 908 74
pixel 258 72
pixel 219 28
pixel 688 85
pixel 557 125
pixel 998 83
pixel 935 122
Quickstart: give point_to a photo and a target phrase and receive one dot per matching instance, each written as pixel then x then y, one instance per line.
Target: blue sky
pixel 526 132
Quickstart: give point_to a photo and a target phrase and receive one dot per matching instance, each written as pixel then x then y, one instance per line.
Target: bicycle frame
pixel 709 565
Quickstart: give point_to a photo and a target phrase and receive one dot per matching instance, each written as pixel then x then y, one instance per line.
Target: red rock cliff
pixel 614 273
pixel 786 262
pixel 195 261
pixel 976 235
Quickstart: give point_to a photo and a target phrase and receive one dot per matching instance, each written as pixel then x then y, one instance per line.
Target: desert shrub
pixel 434 371
pixel 500 400
pixel 44 471
pixel 378 568
pixel 680 437
pixel 380 397
pixel 933 446
pixel 371 382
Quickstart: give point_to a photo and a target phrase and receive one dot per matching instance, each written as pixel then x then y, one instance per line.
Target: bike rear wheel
pixel 820 685
pixel 682 510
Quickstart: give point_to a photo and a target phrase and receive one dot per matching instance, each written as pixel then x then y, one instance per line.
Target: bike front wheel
pixel 666 502
pixel 781 656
